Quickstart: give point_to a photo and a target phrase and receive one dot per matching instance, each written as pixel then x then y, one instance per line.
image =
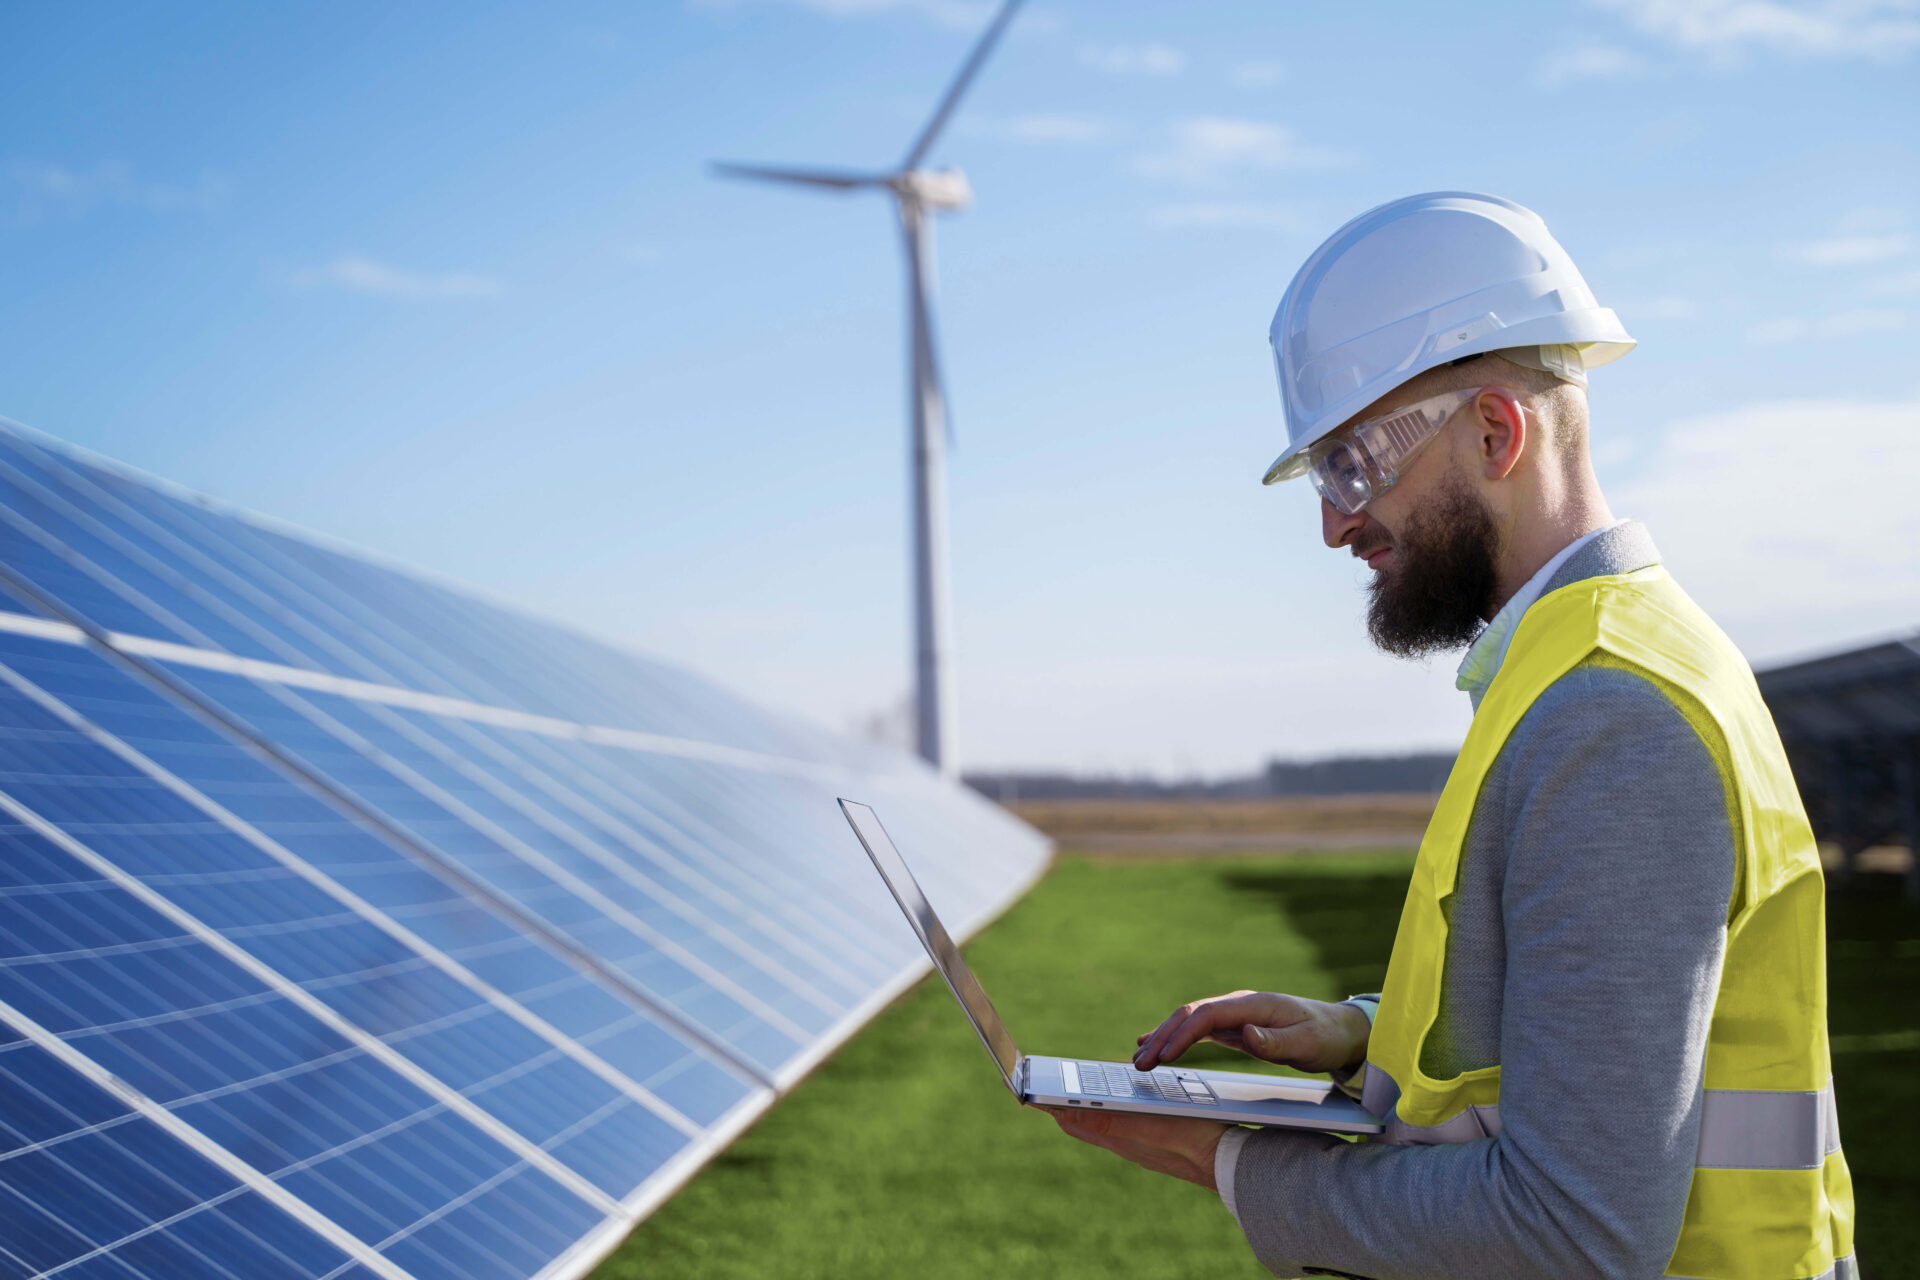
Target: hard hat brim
pixel 1596 332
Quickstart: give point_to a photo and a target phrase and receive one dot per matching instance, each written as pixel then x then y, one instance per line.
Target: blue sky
pixel 453 283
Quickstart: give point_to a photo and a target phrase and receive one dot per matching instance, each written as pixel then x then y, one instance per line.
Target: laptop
pixel 1230 1096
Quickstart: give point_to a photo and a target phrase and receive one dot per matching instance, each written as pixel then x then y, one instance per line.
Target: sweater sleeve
pixel 1619 866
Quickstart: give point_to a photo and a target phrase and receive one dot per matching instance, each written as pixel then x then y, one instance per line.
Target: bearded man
pixel 1601 1049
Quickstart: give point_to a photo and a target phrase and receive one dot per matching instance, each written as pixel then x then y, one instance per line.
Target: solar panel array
pixel 352 926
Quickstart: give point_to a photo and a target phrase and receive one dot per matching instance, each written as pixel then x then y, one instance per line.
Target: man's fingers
pixel 1123 1126
pixel 1164 1044
pixel 1148 1054
pixel 1081 1124
pixel 1195 1022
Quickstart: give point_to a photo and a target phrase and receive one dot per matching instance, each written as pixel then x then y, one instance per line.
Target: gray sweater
pixel 1583 956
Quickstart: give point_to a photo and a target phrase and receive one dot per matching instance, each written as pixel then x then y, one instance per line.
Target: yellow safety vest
pixel 1770 1197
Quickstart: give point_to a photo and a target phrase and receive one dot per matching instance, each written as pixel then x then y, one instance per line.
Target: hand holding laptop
pixel 1173 1145
pixel 1311 1035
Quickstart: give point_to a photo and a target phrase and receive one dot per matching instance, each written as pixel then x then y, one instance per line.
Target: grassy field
pixel 903 1155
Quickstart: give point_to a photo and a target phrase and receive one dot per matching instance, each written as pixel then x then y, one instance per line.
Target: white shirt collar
pixel 1489 649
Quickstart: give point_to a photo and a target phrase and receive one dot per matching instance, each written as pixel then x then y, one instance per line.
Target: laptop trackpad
pixel 1278 1090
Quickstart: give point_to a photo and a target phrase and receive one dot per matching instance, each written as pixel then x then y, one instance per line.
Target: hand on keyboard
pixel 1309 1034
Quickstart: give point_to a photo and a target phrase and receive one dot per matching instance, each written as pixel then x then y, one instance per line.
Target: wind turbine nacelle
pixel 934 188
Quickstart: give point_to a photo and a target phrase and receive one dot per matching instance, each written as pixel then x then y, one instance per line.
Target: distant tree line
pixel 1336 776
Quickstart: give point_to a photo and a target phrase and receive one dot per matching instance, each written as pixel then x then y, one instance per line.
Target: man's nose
pixel 1336 528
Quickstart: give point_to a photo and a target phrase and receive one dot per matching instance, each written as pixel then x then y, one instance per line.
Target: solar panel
pixel 353 925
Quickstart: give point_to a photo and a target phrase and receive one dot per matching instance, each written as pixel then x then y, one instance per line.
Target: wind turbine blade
pixel 968 70
pixel 833 179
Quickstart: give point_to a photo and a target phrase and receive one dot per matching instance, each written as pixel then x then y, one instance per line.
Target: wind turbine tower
pixel 918 193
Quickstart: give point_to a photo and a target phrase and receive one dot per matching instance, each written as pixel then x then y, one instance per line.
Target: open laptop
pixel 1230 1096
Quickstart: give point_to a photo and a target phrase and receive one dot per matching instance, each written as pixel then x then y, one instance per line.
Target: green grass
pixel 903 1155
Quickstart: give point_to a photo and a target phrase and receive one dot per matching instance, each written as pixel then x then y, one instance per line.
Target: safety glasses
pixel 1357 465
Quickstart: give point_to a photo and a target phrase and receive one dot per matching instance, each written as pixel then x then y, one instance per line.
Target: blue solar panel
pixel 236 1057
pixel 381 930
pixel 90 1187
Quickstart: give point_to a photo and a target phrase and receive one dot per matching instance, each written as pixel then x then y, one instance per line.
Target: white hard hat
pixel 1415 284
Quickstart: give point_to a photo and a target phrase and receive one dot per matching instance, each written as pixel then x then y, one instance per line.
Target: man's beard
pixel 1441 585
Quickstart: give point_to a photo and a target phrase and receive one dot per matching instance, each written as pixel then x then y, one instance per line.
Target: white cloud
pixel 52 188
pixel 1900 284
pixel 961 15
pixel 1852 251
pixel 1589 62
pixel 1134 60
pixel 1885 30
pixel 1859 320
pixel 1838 324
pixel 1202 149
pixel 1827 328
pixel 1257 75
pixel 1790 557
pixel 357 274
pixel 1871 218
pixel 1039 127
pixel 1227 215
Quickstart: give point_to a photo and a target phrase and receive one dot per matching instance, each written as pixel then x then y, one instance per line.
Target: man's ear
pixel 1504 431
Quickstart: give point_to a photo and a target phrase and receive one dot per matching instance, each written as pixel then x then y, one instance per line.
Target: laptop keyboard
pixel 1110 1080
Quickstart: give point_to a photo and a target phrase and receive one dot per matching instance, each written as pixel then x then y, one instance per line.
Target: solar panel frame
pixel 112 562
pixel 351 902
pixel 115 704
pixel 128 1167
pixel 141 1053
pixel 314 1007
pixel 684 804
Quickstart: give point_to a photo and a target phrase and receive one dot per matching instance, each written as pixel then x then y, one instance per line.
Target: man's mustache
pixel 1373 539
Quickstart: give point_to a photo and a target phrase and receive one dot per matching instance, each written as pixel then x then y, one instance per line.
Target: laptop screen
pixel 933 936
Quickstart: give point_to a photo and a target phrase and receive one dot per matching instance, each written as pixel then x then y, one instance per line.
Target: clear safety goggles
pixel 1357 465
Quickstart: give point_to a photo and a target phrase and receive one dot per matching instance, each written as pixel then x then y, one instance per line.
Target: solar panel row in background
pixel 353 926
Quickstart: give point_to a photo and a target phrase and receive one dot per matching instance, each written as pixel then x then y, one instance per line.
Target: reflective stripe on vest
pixel 1842 1269
pixel 1739 1128
pixel 1751 1129
pixel 1770 1197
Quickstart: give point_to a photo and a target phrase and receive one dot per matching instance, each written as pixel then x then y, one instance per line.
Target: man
pixel 1601 1048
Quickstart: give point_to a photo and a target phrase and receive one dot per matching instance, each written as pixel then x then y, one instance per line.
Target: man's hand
pixel 1309 1034
pixel 1164 1144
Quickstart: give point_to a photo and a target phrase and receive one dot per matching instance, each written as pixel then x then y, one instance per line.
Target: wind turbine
pixel 918 193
